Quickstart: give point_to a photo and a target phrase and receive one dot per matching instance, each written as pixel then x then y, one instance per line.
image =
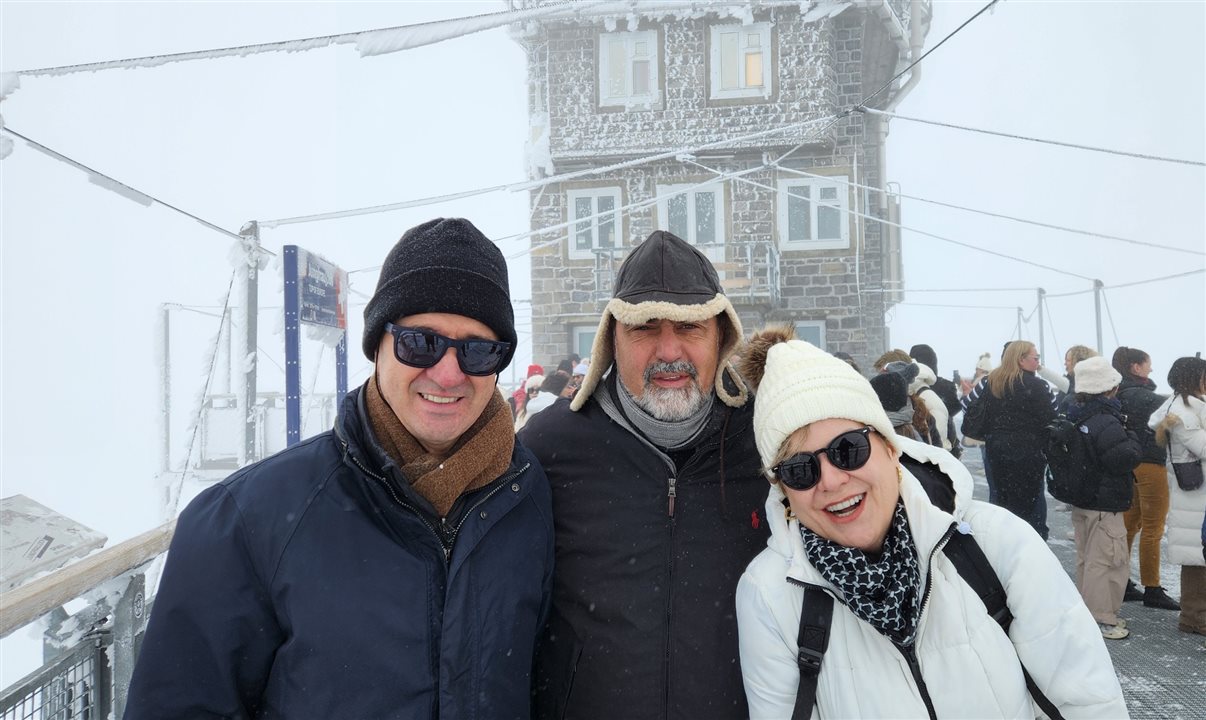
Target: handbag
pixel 1189 475
pixel 975 419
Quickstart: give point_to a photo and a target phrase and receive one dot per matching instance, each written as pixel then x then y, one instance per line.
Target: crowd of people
pixel 685 524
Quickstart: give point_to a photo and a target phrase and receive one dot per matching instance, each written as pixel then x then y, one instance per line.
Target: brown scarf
pixel 478 458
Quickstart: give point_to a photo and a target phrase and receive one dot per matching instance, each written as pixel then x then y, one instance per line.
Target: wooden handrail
pixel 26 603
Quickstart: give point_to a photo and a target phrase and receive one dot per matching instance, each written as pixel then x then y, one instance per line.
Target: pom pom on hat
pixel 799 384
pixel 1095 375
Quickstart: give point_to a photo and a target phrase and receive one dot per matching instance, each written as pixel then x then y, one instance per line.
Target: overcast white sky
pixel 282 135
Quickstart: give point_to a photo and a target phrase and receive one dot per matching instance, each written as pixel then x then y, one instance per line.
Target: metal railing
pixel 89 656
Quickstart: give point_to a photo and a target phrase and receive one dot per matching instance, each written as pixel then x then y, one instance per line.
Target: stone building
pixel 731 125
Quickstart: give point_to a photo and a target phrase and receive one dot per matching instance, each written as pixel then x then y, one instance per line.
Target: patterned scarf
pixel 883 593
pixel 479 457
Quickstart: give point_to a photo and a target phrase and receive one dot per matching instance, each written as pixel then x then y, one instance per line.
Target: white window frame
pixel 593 220
pixel 803 328
pixel 742 89
pixel 815 186
pixel 577 333
pixel 631 42
pixel 666 192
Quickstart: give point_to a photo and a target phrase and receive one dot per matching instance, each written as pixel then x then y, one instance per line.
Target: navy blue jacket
pixel 313 585
pixel 1115 451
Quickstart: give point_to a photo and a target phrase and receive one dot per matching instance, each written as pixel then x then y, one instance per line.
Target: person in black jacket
pixel 1149 507
pixel 1102 560
pixel 1019 406
pixel 945 390
pixel 658 502
pixel 398 566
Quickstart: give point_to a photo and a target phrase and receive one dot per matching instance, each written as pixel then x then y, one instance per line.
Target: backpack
pixel 1071 461
pixel 817 612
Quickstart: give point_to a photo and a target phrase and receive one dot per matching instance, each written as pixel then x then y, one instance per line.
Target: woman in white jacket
pixel 908 637
pixel 1180 425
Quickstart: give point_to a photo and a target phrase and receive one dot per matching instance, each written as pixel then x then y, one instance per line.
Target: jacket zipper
pixel 671 493
pixel 669 601
pixel 908 649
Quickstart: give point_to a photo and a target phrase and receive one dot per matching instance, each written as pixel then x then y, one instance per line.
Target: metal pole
pixel 1019 323
pixel 165 385
pixel 251 309
pixel 1097 285
pixel 1041 342
pixel 292 349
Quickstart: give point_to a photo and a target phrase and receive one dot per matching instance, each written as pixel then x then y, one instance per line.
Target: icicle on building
pixel 731 118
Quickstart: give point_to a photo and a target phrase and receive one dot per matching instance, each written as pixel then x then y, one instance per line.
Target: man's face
pixel 437 404
pixel 668 367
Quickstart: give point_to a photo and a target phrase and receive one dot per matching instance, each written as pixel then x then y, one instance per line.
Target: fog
pixel 281 135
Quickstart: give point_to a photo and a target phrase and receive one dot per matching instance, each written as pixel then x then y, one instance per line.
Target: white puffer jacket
pixel 933 404
pixel 1185 509
pixel 970 667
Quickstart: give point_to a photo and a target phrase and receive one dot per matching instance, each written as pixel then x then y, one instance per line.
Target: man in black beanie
pixel 397 566
pixel 659 502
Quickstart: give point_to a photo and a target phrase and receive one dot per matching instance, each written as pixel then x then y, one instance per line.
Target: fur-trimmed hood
pixel 666 278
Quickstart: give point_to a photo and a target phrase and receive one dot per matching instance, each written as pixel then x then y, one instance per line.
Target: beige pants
pixel 1102 562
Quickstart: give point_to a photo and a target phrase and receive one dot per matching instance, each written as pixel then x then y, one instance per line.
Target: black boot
pixel 1155 597
pixel 1132 592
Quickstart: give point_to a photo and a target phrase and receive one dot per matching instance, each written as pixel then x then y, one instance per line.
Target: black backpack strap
pixel 965 554
pixel 816 614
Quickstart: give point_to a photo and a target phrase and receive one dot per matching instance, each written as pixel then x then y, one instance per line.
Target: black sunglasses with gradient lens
pixel 849 451
pixel 421 348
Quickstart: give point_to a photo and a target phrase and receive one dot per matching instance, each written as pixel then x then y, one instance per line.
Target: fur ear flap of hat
pixel 667 278
pixel 799 384
pixel 1095 375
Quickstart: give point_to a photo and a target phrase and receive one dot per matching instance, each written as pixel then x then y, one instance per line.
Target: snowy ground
pixel 1162 670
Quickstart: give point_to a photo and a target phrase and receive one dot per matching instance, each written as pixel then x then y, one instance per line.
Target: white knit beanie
pixel 1095 375
pixel 802 384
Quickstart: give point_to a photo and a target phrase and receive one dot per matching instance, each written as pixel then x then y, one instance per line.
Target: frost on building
pixel 746 105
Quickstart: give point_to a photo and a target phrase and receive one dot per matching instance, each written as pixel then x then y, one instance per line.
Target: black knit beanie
pixel 442 266
pixel 892 389
pixel 925 355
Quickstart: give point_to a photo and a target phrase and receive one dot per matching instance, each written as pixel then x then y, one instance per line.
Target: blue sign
pixel 316 292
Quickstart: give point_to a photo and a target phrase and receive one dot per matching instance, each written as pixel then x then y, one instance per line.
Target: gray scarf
pixel 902 415
pixel 668 434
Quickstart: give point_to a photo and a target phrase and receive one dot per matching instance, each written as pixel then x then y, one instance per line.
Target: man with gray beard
pixel 657 502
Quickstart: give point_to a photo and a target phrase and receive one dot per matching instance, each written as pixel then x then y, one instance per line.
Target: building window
pixel 694 213
pixel 812 331
pixel 582 338
pixel 741 61
pixel 628 69
pixel 596 218
pixel 812 214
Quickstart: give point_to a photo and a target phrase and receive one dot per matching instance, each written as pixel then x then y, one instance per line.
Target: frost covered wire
pixel 926 53
pixel 178 486
pixel 368 42
pixel 544 182
pixel 1051 324
pixel 995 215
pixel 109 183
pixel 1011 308
pixel 885 86
pixel 923 232
pixel 1060 143
pixel 1106 299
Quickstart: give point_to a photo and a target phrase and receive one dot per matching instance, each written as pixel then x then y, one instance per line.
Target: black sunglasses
pixel 423 348
pixel 849 451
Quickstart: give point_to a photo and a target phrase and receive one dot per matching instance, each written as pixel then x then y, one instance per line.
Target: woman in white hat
pixel 908 636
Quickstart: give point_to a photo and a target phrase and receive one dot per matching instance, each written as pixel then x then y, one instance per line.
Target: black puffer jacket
pixel 1026 409
pixel 1115 451
pixel 1139 401
pixel 644 622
